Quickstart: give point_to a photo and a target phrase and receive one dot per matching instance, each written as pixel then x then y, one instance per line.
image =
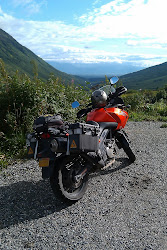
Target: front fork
pixel 121 138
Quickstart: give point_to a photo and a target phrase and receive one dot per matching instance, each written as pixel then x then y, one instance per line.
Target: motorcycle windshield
pixel 108 89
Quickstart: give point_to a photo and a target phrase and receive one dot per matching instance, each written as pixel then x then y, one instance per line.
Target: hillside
pixel 150 78
pixel 18 57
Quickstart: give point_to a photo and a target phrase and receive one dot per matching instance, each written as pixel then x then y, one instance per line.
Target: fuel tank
pixel 109 115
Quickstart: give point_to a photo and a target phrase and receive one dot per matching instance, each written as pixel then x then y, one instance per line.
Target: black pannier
pixel 83 138
pixel 42 123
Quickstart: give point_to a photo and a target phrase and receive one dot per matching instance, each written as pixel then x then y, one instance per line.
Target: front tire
pixel 63 182
pixel 123 142
pixel 129 153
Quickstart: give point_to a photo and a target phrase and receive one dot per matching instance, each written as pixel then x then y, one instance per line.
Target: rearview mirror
pixel 75 104
pixel 114 80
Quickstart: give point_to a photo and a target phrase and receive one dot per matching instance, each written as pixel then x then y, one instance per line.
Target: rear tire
pixel 63 183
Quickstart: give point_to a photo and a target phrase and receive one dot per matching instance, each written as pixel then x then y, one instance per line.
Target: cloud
pixel 1 12
pixel 20 2
pixel 75 55
pixel 132 43
pixel 137 21
pixel 148 43
pixel 96 2
pixel 31 6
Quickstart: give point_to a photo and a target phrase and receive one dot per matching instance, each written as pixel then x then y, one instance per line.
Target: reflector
pixel 44 162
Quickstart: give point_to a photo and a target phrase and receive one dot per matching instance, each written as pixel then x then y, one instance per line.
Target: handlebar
pixel 120 106
pixel 83 112
pixel 123 106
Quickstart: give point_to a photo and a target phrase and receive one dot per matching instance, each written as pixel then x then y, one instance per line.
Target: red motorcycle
pixel 68 153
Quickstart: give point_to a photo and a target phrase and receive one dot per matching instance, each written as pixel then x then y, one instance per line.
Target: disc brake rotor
pixel 68 176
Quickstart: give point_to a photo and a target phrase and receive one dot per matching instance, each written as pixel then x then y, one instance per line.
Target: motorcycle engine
pixel 106 148
pixel 110 150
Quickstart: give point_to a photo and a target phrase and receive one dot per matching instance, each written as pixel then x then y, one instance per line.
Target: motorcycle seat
pixel 108 125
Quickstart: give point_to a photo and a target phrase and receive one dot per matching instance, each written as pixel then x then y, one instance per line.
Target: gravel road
pixel 125 207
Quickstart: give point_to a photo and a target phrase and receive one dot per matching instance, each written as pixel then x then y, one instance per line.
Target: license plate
pixel 44 162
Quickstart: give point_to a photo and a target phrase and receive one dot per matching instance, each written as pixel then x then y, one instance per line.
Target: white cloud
pixel 96 2
pixel 1 12
pixel 141 22
pixel 20 2
pixel 136 18
pixel 31 6
pixel 132 42
pixel 148 43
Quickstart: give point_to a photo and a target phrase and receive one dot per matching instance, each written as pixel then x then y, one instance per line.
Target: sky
pixel 89 31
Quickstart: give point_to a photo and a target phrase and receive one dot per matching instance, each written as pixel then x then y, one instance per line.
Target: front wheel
pixel 123 142
pixel 129 153
pixel 64 182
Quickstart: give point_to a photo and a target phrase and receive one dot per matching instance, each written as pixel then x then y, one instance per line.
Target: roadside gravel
pixel 125 207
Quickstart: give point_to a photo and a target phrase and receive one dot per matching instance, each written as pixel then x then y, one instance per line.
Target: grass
pixel 164 125
pixel 4 162
pixel 141 116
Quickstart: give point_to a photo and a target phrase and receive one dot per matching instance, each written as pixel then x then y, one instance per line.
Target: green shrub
pixel 147 104
pixel 3 163
pixel 164 125
pixel 22 100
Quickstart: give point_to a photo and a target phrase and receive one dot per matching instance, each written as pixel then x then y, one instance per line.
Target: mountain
pixel 150 78
pixel 95 69
pixel 18 57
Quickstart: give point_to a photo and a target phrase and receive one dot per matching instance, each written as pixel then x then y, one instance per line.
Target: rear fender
pixel 47 172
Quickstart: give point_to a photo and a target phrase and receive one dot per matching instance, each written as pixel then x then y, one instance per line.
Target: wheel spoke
pixel 67 185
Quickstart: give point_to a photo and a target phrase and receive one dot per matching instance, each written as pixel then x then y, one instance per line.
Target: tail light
pixel 45 136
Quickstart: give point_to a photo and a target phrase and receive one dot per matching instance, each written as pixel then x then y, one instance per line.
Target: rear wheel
pixel 64 181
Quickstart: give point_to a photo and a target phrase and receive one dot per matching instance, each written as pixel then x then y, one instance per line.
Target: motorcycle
pixel 69 153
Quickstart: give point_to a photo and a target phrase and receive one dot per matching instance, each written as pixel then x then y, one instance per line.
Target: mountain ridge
pixel 18 57
pixel 150 78
pixel 93 69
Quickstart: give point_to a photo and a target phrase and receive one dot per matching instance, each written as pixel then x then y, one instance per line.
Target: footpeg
pixel 108 164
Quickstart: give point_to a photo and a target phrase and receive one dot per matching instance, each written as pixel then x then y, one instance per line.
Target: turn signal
pixel 45 136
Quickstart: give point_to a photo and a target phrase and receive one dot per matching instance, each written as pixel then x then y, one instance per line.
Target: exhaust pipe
pixel 59 145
